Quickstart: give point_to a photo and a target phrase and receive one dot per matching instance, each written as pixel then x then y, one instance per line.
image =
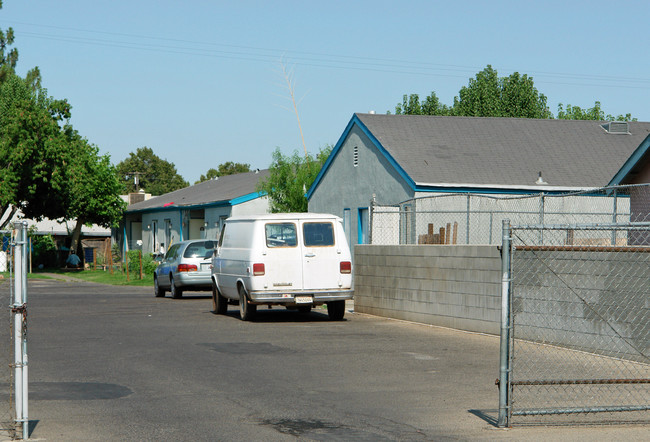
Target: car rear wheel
pixel 219 303
pixel 246 310
pixel 336 310
pixel 158 291
pixel 175 291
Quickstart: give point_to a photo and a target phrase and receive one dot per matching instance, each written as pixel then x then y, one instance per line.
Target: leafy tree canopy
pixel 155 175
pixel 46 168
pixel 290 177
pixel 488 95
pixel 228 168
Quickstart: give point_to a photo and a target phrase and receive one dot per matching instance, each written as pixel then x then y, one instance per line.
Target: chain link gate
pixel 7 411
pixel 14 422
pixel 576 324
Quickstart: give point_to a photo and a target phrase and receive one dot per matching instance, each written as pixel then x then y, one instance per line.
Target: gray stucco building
pixel 393 158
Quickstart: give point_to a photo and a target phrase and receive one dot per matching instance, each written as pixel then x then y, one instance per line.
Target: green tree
pixel 228 168
pixel 488 95
pixel 33 152
pixel 156 176
pixel 93 188
pixel 290 177
pixel 593 113
pixel 431 105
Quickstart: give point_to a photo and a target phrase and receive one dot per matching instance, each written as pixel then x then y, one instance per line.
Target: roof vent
pixel 540 181
pixel 616 127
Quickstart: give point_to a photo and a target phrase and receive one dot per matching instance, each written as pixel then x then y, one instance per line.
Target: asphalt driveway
pixel 114 363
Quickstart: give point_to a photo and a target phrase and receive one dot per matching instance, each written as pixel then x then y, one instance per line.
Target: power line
pixel 314 59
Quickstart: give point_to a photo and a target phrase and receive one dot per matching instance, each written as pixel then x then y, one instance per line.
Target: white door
pixel 321 255
pixel 284 256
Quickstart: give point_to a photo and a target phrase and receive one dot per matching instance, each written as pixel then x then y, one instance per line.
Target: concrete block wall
pixel 449 286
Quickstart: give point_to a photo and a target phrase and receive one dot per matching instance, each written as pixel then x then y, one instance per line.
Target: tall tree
pixel 33 152
pixel 228 168
pixel 290 177
pixel 488 95
pixel 431 105
pixel 155 175
pixel 93 187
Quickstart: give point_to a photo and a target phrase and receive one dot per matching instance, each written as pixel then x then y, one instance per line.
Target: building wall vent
pixel 617 127
pixel 355 156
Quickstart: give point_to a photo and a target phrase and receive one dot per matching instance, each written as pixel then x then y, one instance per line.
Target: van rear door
pixel 284 263
pixel 321 255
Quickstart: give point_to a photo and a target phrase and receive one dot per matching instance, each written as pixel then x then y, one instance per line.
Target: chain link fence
pixel 577 334
pixel 476 219
pixel 7 410
pixel 14 422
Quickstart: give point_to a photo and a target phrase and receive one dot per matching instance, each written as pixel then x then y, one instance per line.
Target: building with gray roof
pixel 394 158
pixel 194 212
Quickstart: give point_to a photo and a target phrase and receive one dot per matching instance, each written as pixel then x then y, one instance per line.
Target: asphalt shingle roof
pixel 224 189
pixel 504 151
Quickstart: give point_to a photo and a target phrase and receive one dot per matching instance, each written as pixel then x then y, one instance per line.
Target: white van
pixel 299 260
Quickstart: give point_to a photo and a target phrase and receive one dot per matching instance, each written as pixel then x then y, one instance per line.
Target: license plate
pixel 304 299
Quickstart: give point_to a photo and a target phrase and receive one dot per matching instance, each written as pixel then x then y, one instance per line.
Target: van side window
pixel 281 235
pixel 318 234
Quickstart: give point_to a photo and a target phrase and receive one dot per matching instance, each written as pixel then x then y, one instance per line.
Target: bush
pixel 148 263
pixel 43 249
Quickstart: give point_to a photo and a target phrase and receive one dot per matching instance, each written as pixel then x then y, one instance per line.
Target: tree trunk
pixel 76 234
pixel 8 213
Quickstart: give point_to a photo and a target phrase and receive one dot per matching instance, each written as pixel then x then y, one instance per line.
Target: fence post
pixel 614 217
pixel 373 202
pixel 468 207
pixel 504 358
pixel 19 309
pixel 541 217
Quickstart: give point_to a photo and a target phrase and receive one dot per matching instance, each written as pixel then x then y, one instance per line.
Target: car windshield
pixel 201 249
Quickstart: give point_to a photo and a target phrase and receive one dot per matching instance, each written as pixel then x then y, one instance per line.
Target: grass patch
pixel 105 277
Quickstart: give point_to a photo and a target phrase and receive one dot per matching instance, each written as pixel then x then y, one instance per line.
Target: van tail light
pixel 346 267
pixel 187 268
pixel 258 269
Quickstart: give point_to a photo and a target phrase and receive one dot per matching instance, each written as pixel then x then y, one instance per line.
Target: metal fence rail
pixel 476 219
pixel 576 324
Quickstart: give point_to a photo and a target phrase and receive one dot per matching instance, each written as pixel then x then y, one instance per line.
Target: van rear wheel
pixel 246 310
pixel 219 303
pixel 336 310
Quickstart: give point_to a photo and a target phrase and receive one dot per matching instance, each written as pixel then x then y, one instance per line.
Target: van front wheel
pixel 246 311
pixel 336 310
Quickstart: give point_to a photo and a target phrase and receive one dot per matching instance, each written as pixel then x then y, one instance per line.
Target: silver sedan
pixel 185 266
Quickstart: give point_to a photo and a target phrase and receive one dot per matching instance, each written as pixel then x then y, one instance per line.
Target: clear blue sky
pixel 200 82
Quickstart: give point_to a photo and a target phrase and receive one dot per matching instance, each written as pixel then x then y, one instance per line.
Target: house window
pixel 355 156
